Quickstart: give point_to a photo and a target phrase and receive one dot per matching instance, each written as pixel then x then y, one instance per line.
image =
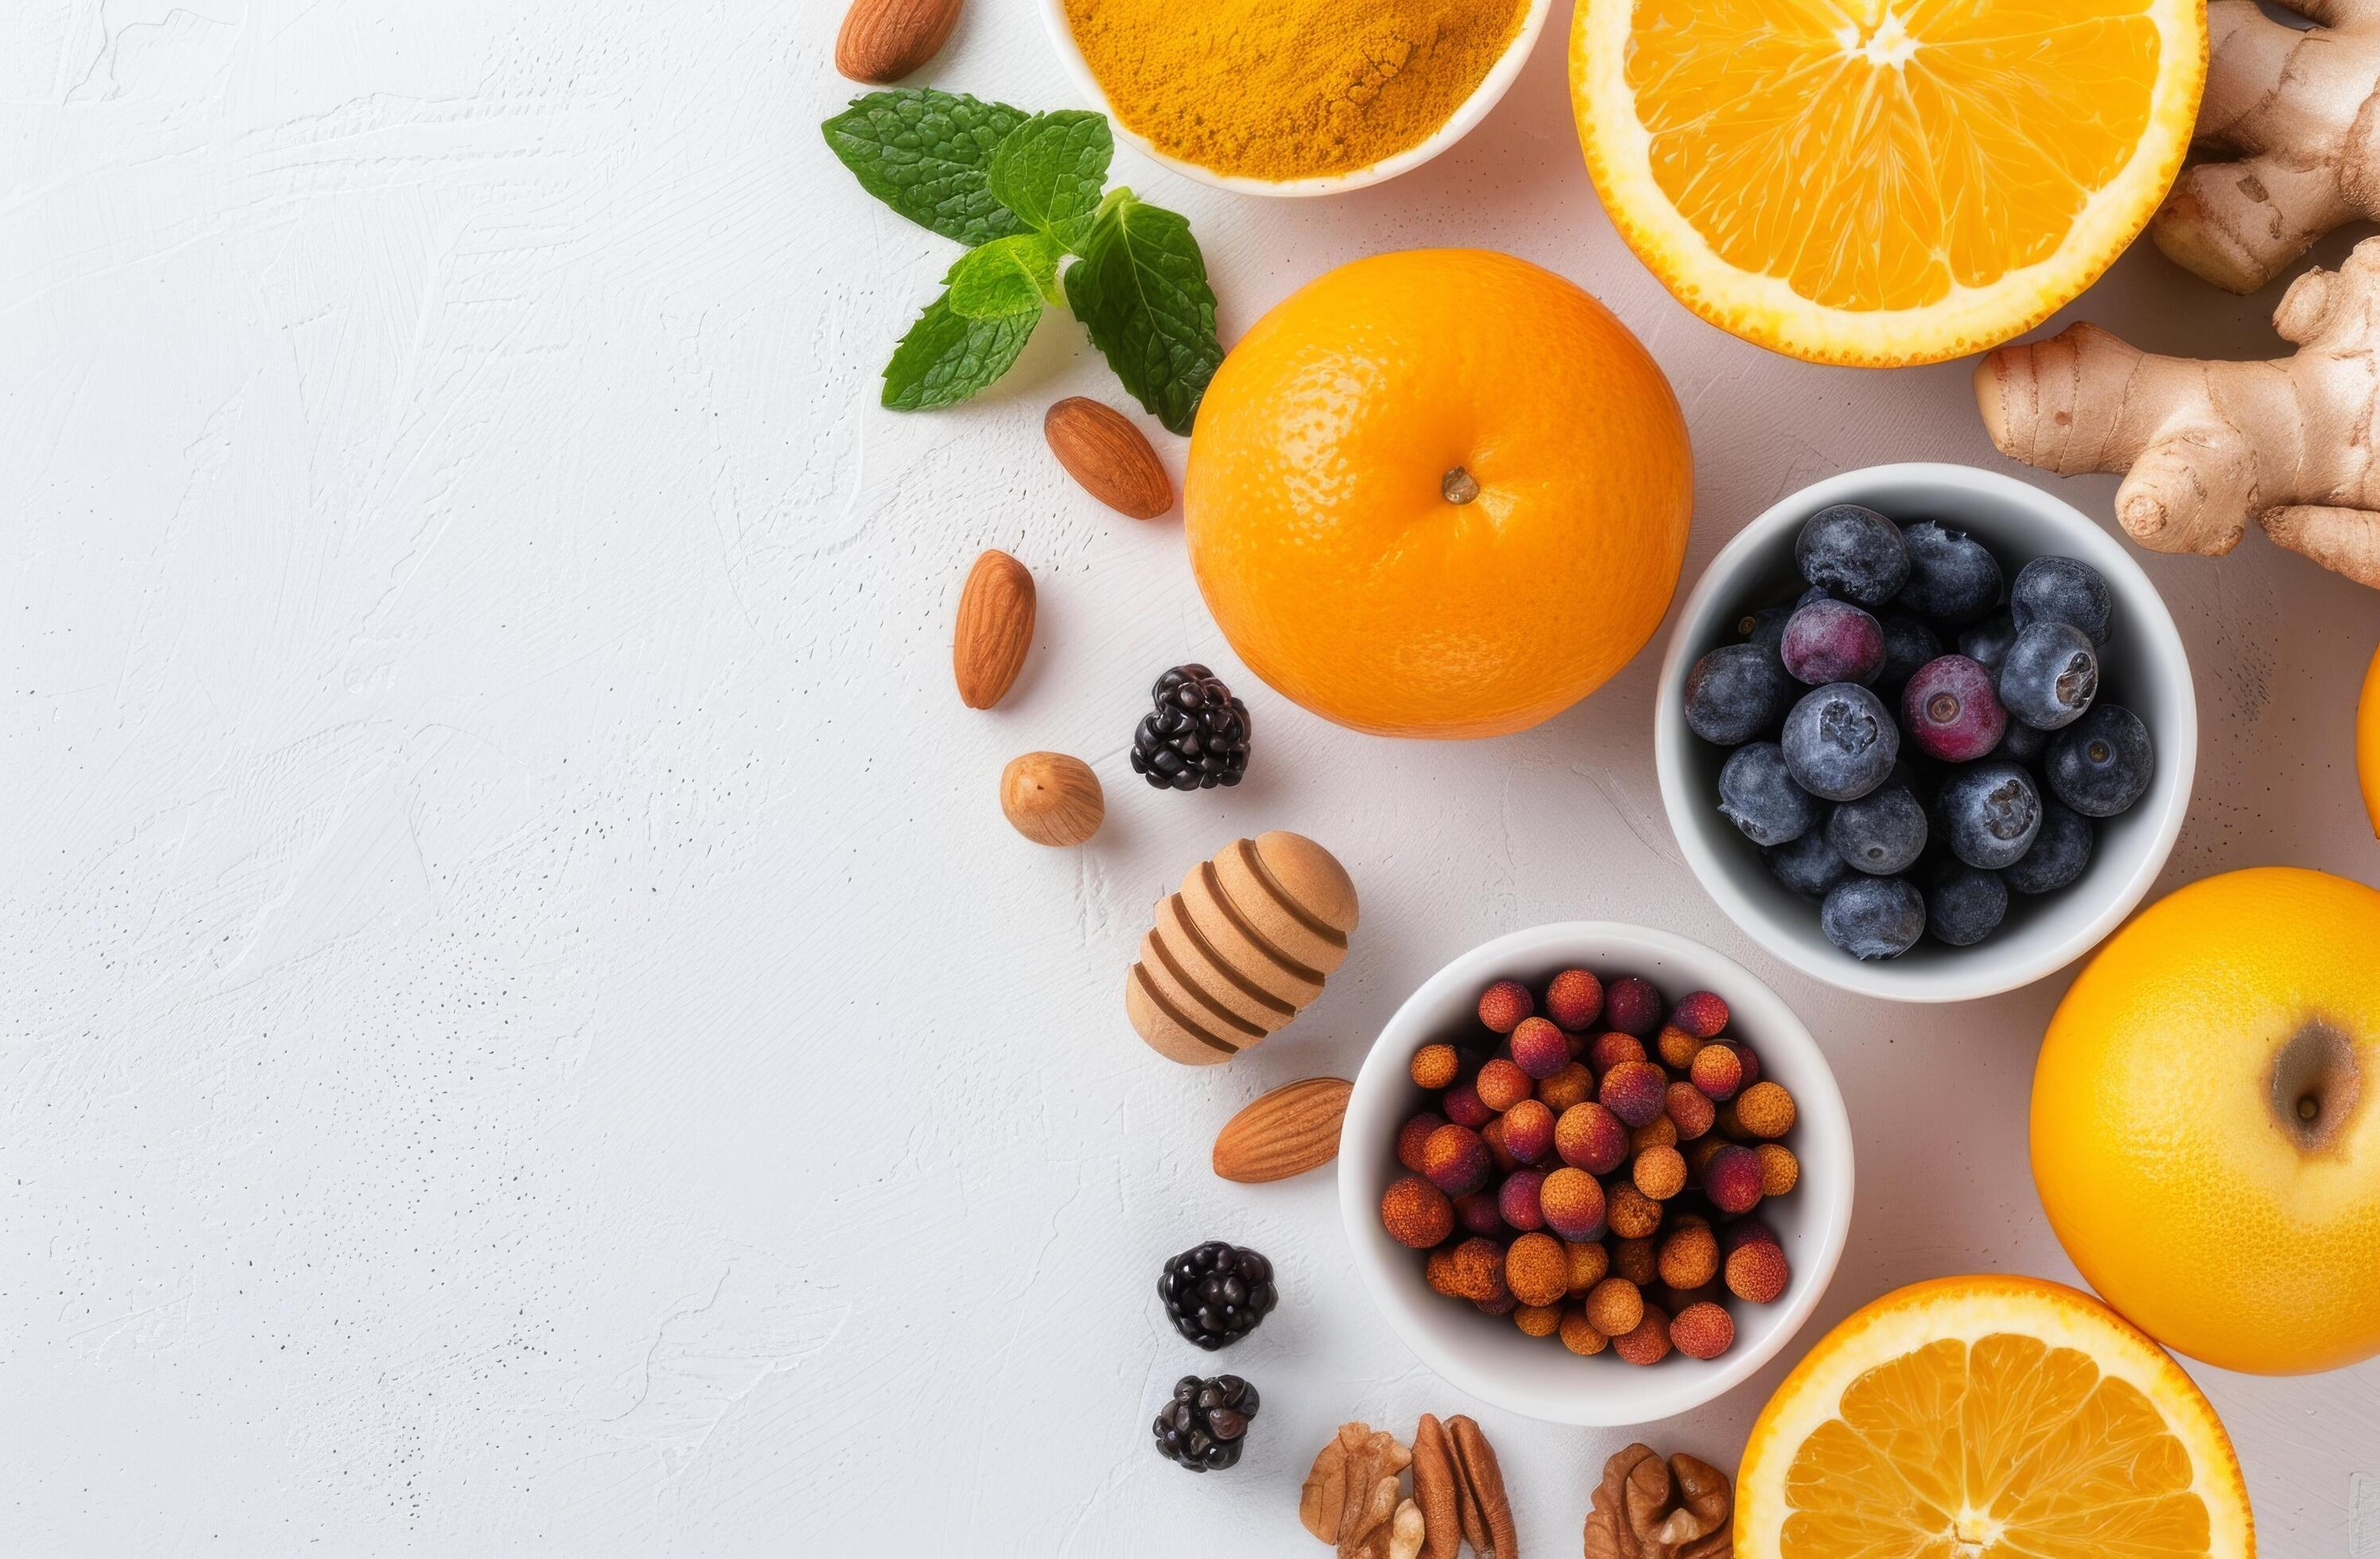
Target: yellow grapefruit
pixel 1989 1418
pixel 2207 1121
pixel 1883 181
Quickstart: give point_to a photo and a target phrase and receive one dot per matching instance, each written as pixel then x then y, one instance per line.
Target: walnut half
pixel 1645 1510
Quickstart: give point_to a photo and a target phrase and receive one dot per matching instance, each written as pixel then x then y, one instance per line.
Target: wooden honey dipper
pixel 1244 948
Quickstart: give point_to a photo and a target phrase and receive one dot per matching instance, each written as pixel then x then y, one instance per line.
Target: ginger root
pixel 2210 445
pixel 2299 110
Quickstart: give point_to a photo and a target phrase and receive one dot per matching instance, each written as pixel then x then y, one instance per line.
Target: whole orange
pixel 1439 494
pixel 2207 1121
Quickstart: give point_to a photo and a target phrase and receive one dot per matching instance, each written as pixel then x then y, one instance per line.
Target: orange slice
pixel 2367 742
pixel 1883 181
pixel 1989 1418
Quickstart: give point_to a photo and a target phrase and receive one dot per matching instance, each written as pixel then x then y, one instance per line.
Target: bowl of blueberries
pixel 1925 731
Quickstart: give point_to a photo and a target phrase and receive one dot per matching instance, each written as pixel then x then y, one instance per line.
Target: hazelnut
pixel 1703 1330
pixel 1631 1006
pixel 1589 1263
pixel 1479 1268
pixel 1516 1199
pixel 1732 1179
pixel 1614 1307
pixel 1702 1013
pixel 1413 1134
pixel 1536 1269
pixel 1504 1004
pixel 1609 1048
pixel 1662 1132
pixel 1415 1212
pixel 1634 1260
pixel 1689 1109
pixel 1590 1138
pixel 1676 1047
pixel 1779 1170
pixel 1456 1161
pixel 1716 1071
pixel 1528 1130
pixel 1463 1107
pixel 1630 1213
pixel 1660 1173
pixel 1574 999
pixel 1540 1049
pixel 1573 1085
pixel 1634 1090
pixel 1480 1213
pixel 1689 1256
pixel 1537 1321
pixel 1436 1066
pixel 1573 1204
pixel 1502 1085
pixel 1579 1334
pixel 1756 1270
pixel 1765 1110
pixel 1649 1343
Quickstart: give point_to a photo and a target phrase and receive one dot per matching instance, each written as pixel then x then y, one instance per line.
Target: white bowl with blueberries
pixel 1925 732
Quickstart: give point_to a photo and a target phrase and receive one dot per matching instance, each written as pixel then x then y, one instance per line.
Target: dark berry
pixel 1908 644
pixel 1765 628
pixel 1811 596
pixel 1840 742
pixel 1196 738
pixel 2060 851
pixel 1758 794
pixel 1216 1293
pixel 1855 554
pixel 1964 905
pixel 1882 833
pixel 1809 865
pixel 1737 692
pixel 2050 676
pixel 2023 744
pixel 1953 578
pixel 1874 916
pixel 1988 813
pixel 2063 589
pixel 1952 711
pixel 1832 641
pixel 1206 1422
pixel 1986 643
pixel 2103 762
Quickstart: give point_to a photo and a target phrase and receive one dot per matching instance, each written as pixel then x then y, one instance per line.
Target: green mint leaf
pixel 927 155
pixel 946 358
pixel 1050 170
pixel 1141 291
pixel 1013 275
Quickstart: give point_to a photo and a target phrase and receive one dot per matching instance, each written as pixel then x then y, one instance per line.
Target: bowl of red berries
pixel 1595 1174
pixel 1925 732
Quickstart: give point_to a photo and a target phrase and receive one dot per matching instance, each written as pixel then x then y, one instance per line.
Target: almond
pixel 1102 450
pixel 1289 1131
pixel 882 41
pixel 995 628
pixel 1052 798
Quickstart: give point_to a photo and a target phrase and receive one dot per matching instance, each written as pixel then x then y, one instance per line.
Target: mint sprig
pixel 1025 192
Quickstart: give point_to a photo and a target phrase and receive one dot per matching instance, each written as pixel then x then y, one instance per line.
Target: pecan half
pixel 1435 1489
pixel 1481 1485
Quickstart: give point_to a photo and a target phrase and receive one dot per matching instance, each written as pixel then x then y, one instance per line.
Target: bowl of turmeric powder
pixel 1293 97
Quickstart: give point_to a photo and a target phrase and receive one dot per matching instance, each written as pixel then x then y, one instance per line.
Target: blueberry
pixel 1953 578
pixel 1832 641
pixel 2063 589
pixel 1760 798
pixel 1883 832
pixel 2050 676
pixel 1952 711
pixel 2024 744
pixel 1808 865
pixel 1873 917
pixel 1989 813
pixel 1908 644
pixel 1840 742
pixel 1736 693
pixel 1856 553
pixel 2060 851
pixel 1765 628
pixel 1987 642
pixel 2100 764
pixel 1964 905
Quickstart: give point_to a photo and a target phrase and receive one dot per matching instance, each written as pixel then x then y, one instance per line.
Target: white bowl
pixel 1473 109
pixel 2146 669
pixel 1490 1358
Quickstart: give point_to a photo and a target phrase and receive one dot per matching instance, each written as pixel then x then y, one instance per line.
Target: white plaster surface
pixel 522 1028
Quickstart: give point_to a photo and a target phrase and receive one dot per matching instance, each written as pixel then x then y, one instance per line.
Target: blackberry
pixel 1216 1293
pixel 1196 738
pixel 1206 1422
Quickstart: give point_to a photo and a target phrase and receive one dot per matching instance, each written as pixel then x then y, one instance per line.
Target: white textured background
pixel 523 1028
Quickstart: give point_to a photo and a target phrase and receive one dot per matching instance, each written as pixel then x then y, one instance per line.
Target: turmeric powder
pixel 1290 89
